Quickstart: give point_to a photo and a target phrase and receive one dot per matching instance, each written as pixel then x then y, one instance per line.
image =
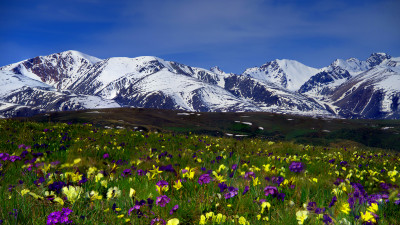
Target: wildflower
pixel 98 177
pixel 345 208
pixel 327 219
pixel 232 192
pixel 72 193
pixel 222 186
pixel 311 206
pixel 368 217
pixel 219 178
pixel 219 218
pixel 157 221
pixel 246 189
pixel 113 193
pixel 162 200
pixel 162 186
pixel 334 200
pixel 155 171
pixel 93 195
pixel 204 179
pixel 373 208
pixel 202 220
pixel 243 221
pixel 270 190
pixel 132 192
pixel 24 192
pixel 296 167
pixel 178 185
pixel 188 172
pixel 256 181
pixel 264 205
pixel 59 217
pixel 173 209
pixel 173 221
pixel 301 216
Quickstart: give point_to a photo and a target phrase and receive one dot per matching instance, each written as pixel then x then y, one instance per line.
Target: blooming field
pixel 80 174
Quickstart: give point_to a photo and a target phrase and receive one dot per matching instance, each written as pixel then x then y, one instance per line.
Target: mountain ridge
pixel 282 86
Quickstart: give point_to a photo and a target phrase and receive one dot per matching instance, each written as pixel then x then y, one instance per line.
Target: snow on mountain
pixel 374 93
pixel 59 70
pixel 288 74
pixel 72 80
pixel 10 82
pixel 325 82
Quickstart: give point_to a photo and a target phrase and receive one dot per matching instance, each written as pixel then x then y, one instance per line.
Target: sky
pixel 231 34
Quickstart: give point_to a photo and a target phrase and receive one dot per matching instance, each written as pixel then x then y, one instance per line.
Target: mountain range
pixel 72 80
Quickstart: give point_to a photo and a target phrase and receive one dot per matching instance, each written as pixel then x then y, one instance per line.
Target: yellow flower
pixel 256 181
pixel 58 200
pixel 33 195
pixel 373 208
pixel 221 167
pixel 98 177
pixel 132 192
pixel 120 216
pixel 264 205
pixel 173 221
pixel 76 161
pixel 178 185
pixel 219 178
pixel 113 193
pixel 24 192
pixel 345 207
pixel 154 172
pixel 94 195
pixel 203 220
pixel 72 193
pixel 368 217
pixel 219 218
pixel 209 215
pixel 190 172
pixel 315 180
pixel 301 216
pixel 243 221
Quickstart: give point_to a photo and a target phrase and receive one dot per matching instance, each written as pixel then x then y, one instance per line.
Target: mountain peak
pixel 377 58
pixel 77 54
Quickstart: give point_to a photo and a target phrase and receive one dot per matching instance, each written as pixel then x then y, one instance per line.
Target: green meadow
pixel 79 173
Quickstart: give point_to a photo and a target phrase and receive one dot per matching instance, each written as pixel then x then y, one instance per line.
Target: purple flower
pixel 270 190
pixel 106 155
pixel 204 179
pixel 246 189
pixel 162 200
pixel 173 209
pixel 332 161
pixel 57 186
pixel 126 172
pixel 327 219
pixel 248 175
pixel 4 156
pixel 232 192
pixel 296 167
pixel 319 210
pixel 311 206
pixel 162 183
pixel 281 196
pixel 157 221
pixel 234 166
pixel 334 200
pixel 59 217
pixel 222 186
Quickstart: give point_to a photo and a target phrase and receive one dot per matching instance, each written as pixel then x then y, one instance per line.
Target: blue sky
pixel 233 34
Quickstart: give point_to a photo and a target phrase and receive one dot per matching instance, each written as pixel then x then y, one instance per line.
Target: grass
pixel 43 162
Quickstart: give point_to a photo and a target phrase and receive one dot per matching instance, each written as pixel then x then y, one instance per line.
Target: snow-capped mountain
pixel 374 93
pixel 72 80
pixel 288 74
pixel 325 82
